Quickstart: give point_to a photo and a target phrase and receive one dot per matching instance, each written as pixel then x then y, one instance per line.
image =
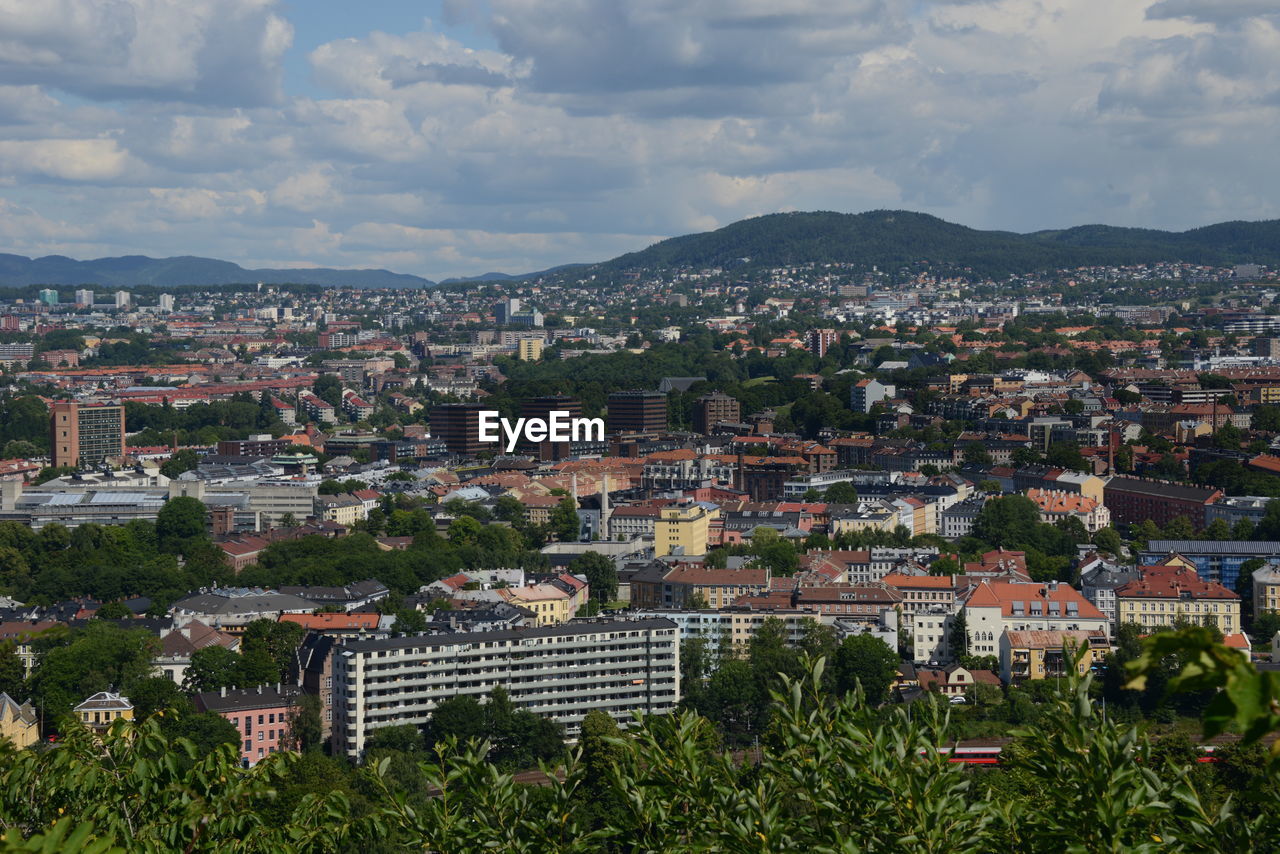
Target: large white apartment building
pixel 562 672
pixel 730 630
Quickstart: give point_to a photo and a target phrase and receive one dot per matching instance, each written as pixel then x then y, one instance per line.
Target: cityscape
pixel 934 525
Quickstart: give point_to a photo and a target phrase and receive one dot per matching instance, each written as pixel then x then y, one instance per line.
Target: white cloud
pixel 307 191
pixel 206 51
pixel 65 159
pixel 589 127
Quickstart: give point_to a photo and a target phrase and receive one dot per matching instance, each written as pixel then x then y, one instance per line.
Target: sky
pixel 456 138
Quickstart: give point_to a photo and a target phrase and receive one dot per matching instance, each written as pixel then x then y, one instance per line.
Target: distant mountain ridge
pixel 183 271
pixel 508 277
pixel 890 239
pixel 884 238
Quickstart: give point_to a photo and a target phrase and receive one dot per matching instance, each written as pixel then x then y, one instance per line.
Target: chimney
pixel 224 690
pixel 259 689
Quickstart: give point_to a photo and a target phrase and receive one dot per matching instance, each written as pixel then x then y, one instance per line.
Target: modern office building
pixel 1214 560
pixel 542 407
pixel 458 426
pixel 637 412
pixel 865 394
pixel 17 351
pixel 85 435
pixel 48 296
pixel 505 310
pixel 561 672
pixel 715 408
pixel 257 445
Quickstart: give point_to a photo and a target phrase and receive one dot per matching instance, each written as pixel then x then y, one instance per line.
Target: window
pixel 261 733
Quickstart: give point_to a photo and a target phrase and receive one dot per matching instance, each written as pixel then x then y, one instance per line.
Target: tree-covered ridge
pixel 890 239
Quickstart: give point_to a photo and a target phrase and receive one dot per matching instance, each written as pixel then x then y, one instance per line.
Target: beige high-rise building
pixel 683 529
pixel 529 349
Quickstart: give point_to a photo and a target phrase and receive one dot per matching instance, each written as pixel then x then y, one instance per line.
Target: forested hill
pixel 131 270
pixel 889 239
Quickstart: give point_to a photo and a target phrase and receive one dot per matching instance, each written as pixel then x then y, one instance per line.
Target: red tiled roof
pixel 702 576
pixel 1002 595
pixel 937 582
pixel 1172 582
pixel 320 622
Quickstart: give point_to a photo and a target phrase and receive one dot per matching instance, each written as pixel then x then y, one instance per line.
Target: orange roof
pixel 320 622
pixel 939 582
pixel 698 576
pixel 1266 462
pixel 1051 501
pixel 1172 582
pixel 1238 641
pixel 672 456
pixel 1002 595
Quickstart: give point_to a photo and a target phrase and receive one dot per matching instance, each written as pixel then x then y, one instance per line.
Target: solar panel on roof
pixel 118 498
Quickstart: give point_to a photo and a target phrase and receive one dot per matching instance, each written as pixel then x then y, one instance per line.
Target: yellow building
pixel 103 709
pixel 551 605
pixel 1032 655
pixel 343 509
pixel 1266 589
pixel 683 529
pixel 537 508
pixel 18 722
pixel 1166 595
pixel 529 349
pixel 21 633
pixel 877 516
pixel 717 588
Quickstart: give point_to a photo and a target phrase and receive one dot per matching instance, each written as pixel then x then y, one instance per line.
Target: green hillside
pixel 890 239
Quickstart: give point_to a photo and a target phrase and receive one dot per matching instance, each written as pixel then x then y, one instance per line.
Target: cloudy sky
pixel 456 137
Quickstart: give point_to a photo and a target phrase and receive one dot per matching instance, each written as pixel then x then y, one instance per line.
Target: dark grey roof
pixel 1213 547
pixel 243 699
pixel 1108 575
pixel 313 651
pixel 256 602
pixel 651 572
pixel 679 383
pixel 350 593
pixel 581 627
pixel 1160 488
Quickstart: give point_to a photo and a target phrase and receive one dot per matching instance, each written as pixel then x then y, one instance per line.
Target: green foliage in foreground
pixel 832 776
